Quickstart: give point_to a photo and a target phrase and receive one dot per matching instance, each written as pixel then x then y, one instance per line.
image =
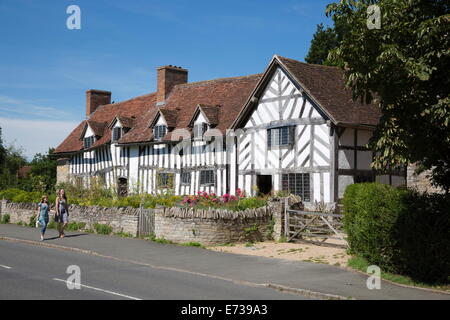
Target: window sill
pixel 279 147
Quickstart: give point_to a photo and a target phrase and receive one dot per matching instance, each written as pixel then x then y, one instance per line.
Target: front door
pixel 122 187
pixel 264 183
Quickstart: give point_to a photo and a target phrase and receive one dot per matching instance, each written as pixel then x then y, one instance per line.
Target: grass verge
pixel 361 264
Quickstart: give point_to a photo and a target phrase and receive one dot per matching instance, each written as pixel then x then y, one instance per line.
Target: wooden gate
pixel 300 224
pixel 146 222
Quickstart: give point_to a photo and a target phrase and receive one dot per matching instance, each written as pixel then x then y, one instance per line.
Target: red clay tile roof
pixel 127 122
pixel 229 93
pixel 142 108
pixel 327 86
pixel 97 127
pixel 170 116
pixel 211 113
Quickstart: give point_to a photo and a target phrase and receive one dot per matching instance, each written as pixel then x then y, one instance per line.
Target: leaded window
pixel 88 142
pixel 159 131
pixel 185 177
pixel 206 177
pixel 200 129
pixel 281 136
pixel 116 134
pixel 298 184
pixel 165 180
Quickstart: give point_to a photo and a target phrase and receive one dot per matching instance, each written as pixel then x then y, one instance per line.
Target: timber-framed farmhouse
pixel 294 127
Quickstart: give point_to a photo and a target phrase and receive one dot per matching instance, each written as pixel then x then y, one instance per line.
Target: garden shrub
pixel 6 218
pixel 424 237
pixel 51 224
pixel 102 228
pixel 32 222
pixel 399 230
pixel 75 226
pixel 370 211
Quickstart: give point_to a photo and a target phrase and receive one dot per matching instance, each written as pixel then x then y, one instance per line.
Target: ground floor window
pixel 298 184
pixel 165 180
pixel 185 177
pixel 206 177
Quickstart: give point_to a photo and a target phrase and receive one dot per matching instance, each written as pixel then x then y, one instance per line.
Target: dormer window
pixel 159 131
pixel 88 142
pixel 116 134
pixel 200 129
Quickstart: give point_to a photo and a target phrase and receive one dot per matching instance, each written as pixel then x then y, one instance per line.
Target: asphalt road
pixel 35 272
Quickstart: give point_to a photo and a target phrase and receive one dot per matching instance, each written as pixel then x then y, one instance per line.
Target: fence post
pixel 139 224
pixel 286 218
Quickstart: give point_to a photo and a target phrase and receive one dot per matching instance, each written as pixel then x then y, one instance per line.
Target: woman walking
pixel 44 208
pixel 62 212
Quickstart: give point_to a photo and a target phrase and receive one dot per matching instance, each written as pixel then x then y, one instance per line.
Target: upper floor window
pixel 88 142
pixel 116 134
pixel 200 129
pixel 159 131
pixel 281 136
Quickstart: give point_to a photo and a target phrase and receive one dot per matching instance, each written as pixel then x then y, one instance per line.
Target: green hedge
pixel 399 230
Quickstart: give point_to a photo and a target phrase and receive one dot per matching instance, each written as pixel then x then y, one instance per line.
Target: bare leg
pixel 62 229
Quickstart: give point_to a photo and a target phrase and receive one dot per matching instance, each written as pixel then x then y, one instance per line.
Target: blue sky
pixel 46 68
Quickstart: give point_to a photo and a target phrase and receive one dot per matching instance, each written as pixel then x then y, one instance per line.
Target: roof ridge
pixel 308 64
pixel 216 80
pixel 124 101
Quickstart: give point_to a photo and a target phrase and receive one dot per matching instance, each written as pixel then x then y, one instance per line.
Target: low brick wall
pixel 212 226
pixel 120 219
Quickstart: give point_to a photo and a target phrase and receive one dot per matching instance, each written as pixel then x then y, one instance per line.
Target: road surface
pixel 34 272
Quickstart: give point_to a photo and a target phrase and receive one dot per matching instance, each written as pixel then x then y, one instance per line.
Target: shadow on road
pixel 67 236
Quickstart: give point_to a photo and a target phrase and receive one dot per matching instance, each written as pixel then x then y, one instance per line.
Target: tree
pixel 403 66
pixel 324 40
pixel 43 171
pixel 2 154
pixel 14 160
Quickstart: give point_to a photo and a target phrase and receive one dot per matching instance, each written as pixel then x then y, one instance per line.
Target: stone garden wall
pixel 213 226
pixel 120 219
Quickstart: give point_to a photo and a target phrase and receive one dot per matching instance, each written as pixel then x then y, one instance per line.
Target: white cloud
pixel 35 135
pixel 29 109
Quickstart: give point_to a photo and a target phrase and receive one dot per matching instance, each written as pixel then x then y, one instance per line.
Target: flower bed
pixel 239 202
pixel 101 198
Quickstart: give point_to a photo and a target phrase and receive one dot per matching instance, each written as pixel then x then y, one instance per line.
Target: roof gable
pixel 210 113
pixel 323 85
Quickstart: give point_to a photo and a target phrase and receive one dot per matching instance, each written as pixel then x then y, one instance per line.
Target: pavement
pixel 149 270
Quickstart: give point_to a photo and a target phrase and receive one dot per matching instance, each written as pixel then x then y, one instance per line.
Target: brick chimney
pixel 96 98
pixel 168 77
